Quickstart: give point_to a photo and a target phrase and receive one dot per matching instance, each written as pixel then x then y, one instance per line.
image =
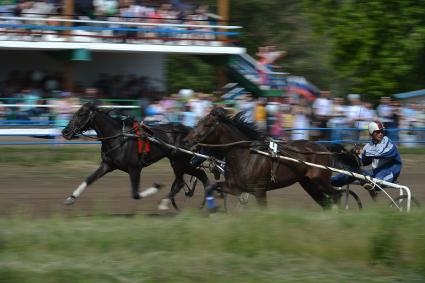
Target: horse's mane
pixel 248 128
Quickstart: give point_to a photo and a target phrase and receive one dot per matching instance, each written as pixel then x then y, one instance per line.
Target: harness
pixel 140 141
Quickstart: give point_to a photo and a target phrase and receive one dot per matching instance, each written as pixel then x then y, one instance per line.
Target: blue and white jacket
pixel 383 155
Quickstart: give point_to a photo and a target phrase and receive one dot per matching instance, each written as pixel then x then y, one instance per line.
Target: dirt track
pixel 41 191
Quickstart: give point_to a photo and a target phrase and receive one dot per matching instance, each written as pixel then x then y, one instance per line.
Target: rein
pixel 123 133
pixel 224 144
pixel 287 147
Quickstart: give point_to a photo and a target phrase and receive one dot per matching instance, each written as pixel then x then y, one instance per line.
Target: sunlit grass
pixel 253 246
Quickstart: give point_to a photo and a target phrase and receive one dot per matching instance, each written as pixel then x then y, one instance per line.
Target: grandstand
pixel 125 43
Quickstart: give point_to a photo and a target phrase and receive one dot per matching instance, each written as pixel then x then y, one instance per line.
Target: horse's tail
pixel 343 158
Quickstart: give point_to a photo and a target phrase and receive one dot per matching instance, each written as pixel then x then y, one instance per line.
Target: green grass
pixel 254 246
pixel 47 155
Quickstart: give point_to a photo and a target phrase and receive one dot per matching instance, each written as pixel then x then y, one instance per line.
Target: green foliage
pixel 268 22
pixel 255 246
pixel 185 71
pixel 376 45
pixel 372 47
pixel 283 24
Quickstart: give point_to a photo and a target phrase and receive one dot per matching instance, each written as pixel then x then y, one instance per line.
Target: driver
pixel 380 153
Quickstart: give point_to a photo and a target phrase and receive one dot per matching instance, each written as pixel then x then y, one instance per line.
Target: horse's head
pixel 343 158
pixel 206 131
pixel 80 121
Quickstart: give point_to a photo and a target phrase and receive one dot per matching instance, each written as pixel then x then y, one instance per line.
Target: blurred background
pixel 302 73
pixel 306 69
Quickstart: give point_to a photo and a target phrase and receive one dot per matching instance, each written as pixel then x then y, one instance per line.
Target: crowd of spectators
pixel 292 117
pixel 287 117
pixel 153 14
pixel 28 89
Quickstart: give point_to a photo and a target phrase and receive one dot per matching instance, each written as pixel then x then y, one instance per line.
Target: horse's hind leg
pixel 261 197
pixel 100 171
pixel 313 190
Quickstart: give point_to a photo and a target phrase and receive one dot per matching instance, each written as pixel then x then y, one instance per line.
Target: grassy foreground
pixel 253 246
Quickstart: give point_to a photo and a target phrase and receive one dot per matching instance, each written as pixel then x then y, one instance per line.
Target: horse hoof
pixel 157 185
pixel 69 201
pixel 136 196
pixel 164 204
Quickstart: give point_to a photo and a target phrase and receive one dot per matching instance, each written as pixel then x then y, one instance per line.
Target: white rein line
pixel 355 175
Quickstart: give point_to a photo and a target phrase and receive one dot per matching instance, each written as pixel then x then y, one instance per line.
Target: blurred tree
pixel 185 71
pixel 373 47
pixel 279 23
pixel 283 24
pixel 378 47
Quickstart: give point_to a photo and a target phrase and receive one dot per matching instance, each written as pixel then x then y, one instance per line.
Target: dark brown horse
pixel 248 171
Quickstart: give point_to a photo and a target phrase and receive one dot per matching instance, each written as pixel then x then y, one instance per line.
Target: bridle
pixel 211 129
pixel 79 130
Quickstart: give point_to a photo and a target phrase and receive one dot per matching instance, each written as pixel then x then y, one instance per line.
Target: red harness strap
pixel 140 141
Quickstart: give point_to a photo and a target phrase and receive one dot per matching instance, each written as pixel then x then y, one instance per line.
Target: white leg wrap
pixel 148 192
pixel 164 204
pixel 79 190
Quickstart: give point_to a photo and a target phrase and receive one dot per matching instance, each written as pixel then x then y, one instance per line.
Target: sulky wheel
pixel 400 202
pixel 349 200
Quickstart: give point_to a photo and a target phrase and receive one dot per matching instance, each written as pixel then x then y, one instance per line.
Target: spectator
pixel 247 104
pixel 261 115
pixel 188 117
pixel 64 109
pixel 354 113
pixel 155 112
pixel 367 114
pixel 322 110
pixel 395 117
pixel 301 120
pixel 287 120
pixel 337 120
pixel 272 109
pixel 384 111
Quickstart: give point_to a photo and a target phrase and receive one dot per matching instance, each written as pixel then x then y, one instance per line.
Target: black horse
pixel 249 171
pixel 122 150
pixel 343 158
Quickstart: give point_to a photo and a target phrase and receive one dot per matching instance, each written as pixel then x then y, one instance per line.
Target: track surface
pixel 40 191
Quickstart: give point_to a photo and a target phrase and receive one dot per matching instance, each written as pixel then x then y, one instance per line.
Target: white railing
pixel 31 19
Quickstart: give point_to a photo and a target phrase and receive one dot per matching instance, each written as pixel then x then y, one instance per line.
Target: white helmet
pixel 375 126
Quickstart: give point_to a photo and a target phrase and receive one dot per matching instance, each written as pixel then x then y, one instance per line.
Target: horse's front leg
pixel 135 182
pixel 100 171
pixel 175 188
